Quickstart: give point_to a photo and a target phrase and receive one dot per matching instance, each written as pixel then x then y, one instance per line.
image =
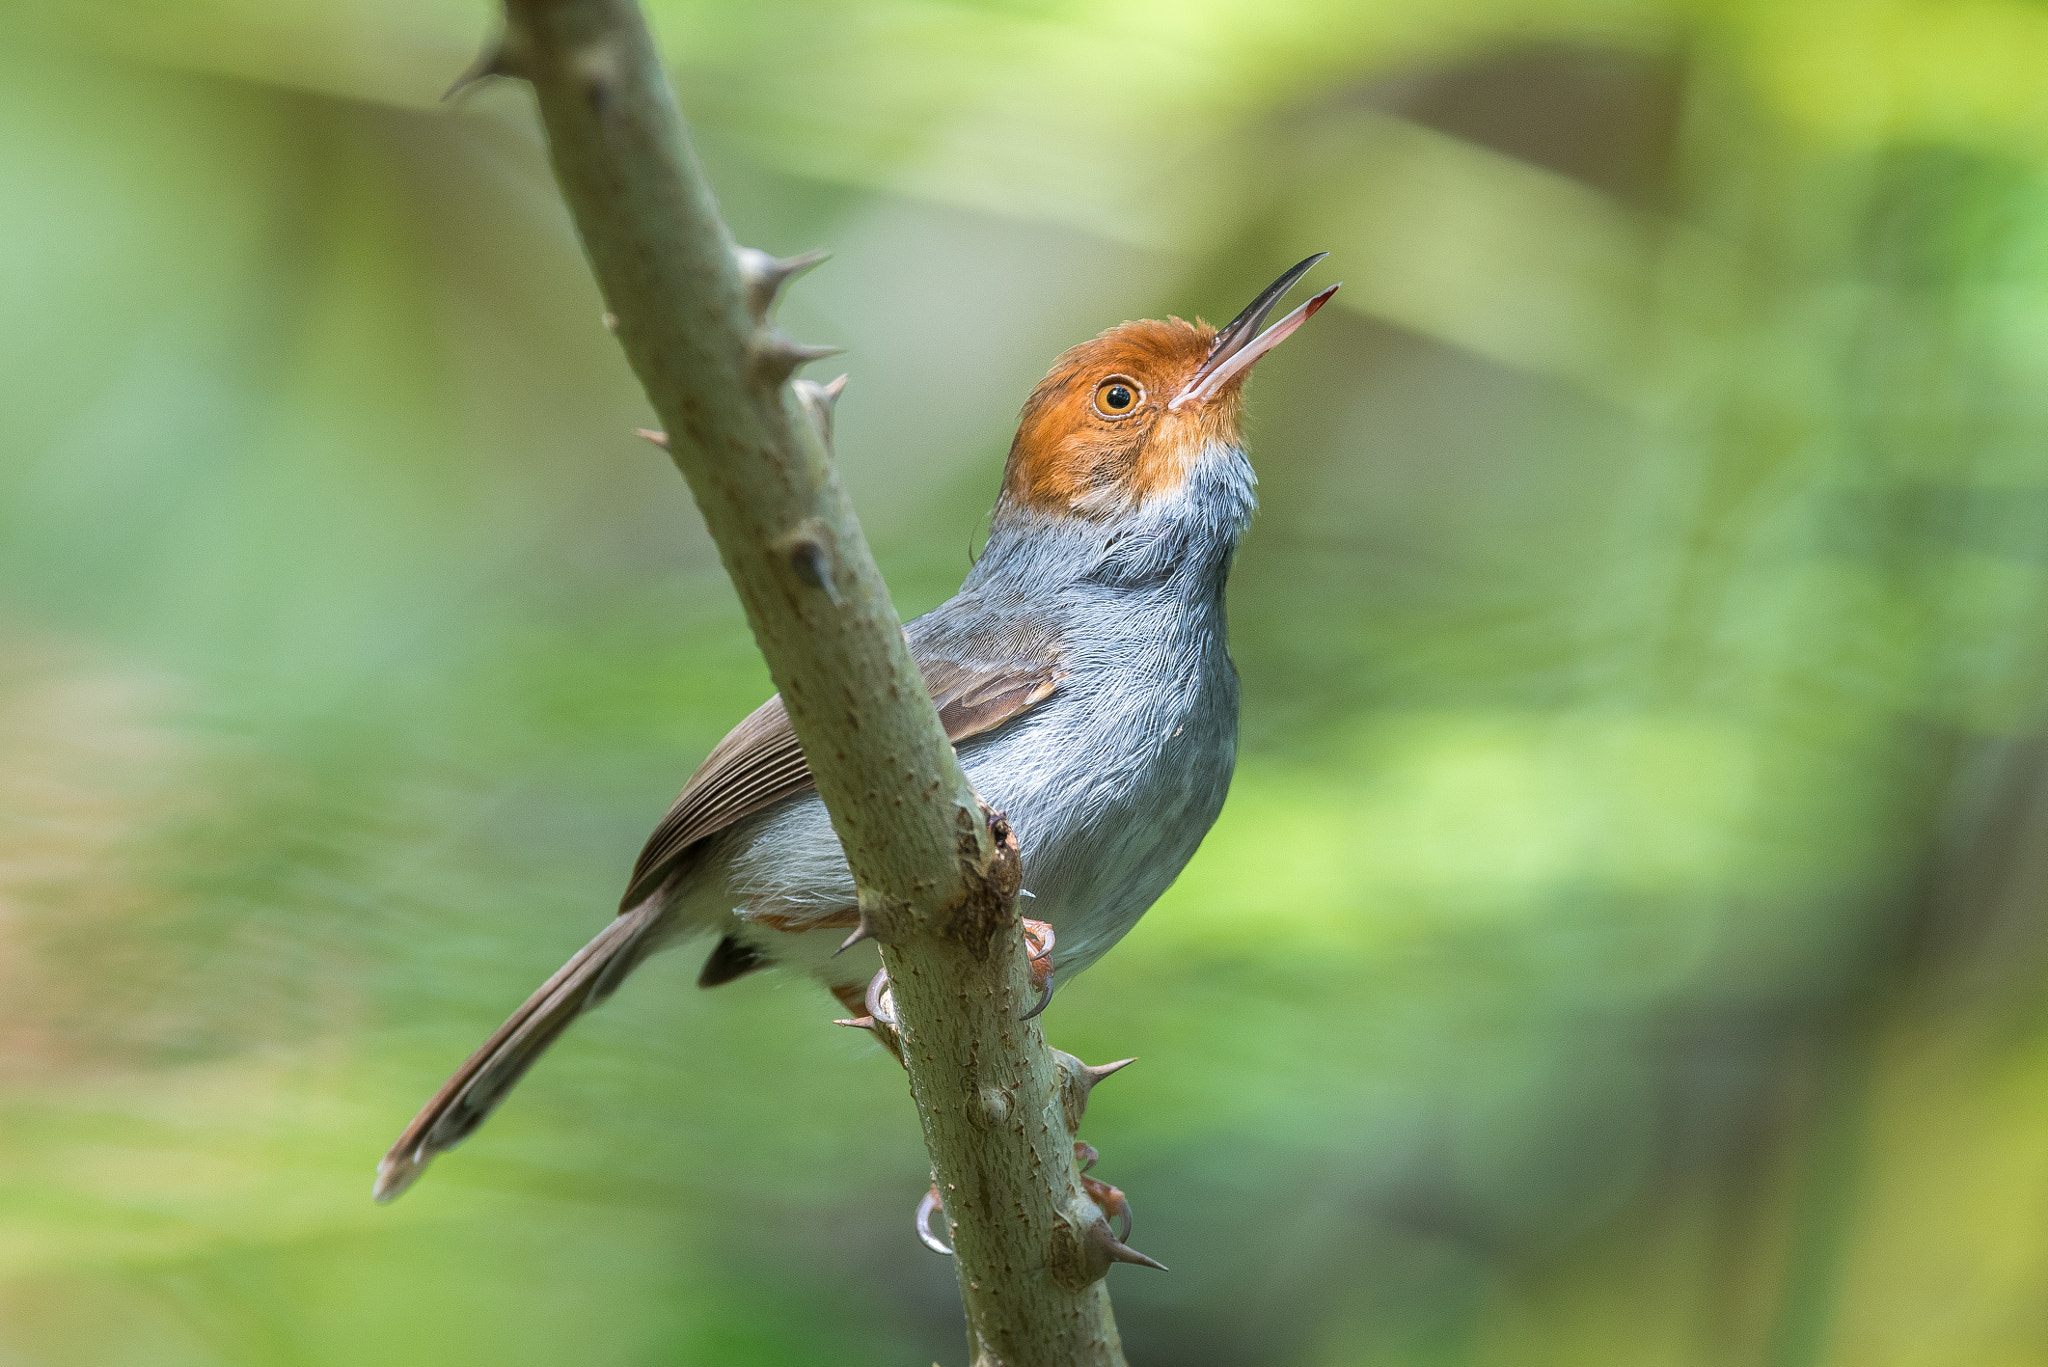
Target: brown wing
pixel 760 763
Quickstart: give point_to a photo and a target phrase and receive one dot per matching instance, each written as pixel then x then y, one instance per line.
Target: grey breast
pixel 1114 779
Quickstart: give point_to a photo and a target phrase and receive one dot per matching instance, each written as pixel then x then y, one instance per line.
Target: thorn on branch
pixel 807 558
pixel 494 60
pixel 884 1033
pixel 764 276
pixel 1077 1081
pixel 1096 1072
pixel 994 1108
pixel 1084 1246
pixel 776 358
pixel 820 401
pixel 806 550
pixel 610 321
pixel 648 434
pixel 1114 1250
pixel 863 931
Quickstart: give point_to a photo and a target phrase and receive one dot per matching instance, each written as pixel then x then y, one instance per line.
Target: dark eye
pixel 1117 396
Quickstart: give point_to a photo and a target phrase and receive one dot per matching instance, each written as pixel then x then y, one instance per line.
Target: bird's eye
pixel 1118 396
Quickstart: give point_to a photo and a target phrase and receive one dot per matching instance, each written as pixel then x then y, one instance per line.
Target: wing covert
pixel 761 763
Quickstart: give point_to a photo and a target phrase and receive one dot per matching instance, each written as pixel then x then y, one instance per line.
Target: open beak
pixel 1241 344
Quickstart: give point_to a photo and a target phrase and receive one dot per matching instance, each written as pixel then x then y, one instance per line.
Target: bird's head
pixel 1129 415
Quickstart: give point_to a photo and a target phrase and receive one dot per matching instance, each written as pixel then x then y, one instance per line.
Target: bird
pixel 1082 674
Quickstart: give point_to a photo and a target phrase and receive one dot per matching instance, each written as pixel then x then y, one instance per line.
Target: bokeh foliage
pixel 1623 940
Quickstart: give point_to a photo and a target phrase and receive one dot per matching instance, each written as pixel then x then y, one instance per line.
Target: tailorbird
pixel 1081 673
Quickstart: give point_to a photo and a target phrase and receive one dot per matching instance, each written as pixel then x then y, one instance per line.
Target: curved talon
pixel 880 1001
pixel 1044 997
pixel 1085 1154
pixel 1038 940
pixel 1113 1203
pixel 925 1208
pixel 1038 943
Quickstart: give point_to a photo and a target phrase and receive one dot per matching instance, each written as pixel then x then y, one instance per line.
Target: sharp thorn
pixel 808 560
pixel 610 321
pixel 765 276
pixel 490 62
pixel 858 1023
pixel 806 352
pixel 1094 1073
pixel 820 400
pixel 648 434
pixel 776 358
pixel 860 932
pixel 1124 1253
pixel 925 1210
pixel 1118 1250
pixel 805 547
pixel 821 396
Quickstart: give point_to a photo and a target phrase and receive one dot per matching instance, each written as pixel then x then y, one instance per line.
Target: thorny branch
pixel 937 871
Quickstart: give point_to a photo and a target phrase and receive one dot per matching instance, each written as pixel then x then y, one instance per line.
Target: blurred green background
pixel 1624 941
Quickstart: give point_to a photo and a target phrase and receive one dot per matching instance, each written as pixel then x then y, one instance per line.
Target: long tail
pixel 481 1083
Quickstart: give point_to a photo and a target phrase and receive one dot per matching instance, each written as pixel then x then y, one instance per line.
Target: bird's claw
pixel 881 1000
pixel 1113 1203
pixel 925 1210
pixel 1038 943
pixel 880 1020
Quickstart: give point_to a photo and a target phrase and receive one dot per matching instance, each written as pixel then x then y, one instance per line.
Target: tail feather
pixel 481 1083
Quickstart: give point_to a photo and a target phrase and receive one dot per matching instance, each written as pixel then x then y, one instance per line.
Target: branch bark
pixel 937 872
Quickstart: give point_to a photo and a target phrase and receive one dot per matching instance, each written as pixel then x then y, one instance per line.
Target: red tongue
pixel 1208 382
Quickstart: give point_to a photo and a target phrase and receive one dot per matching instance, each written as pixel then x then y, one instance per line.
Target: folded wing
pixel 760 762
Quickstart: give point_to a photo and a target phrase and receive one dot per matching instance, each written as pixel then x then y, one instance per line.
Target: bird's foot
pixel 874 1010
pixel 1038 942
pixel 1105 1243
pixel 1112 1202
pixel 931 1205
pixel 1105 1246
